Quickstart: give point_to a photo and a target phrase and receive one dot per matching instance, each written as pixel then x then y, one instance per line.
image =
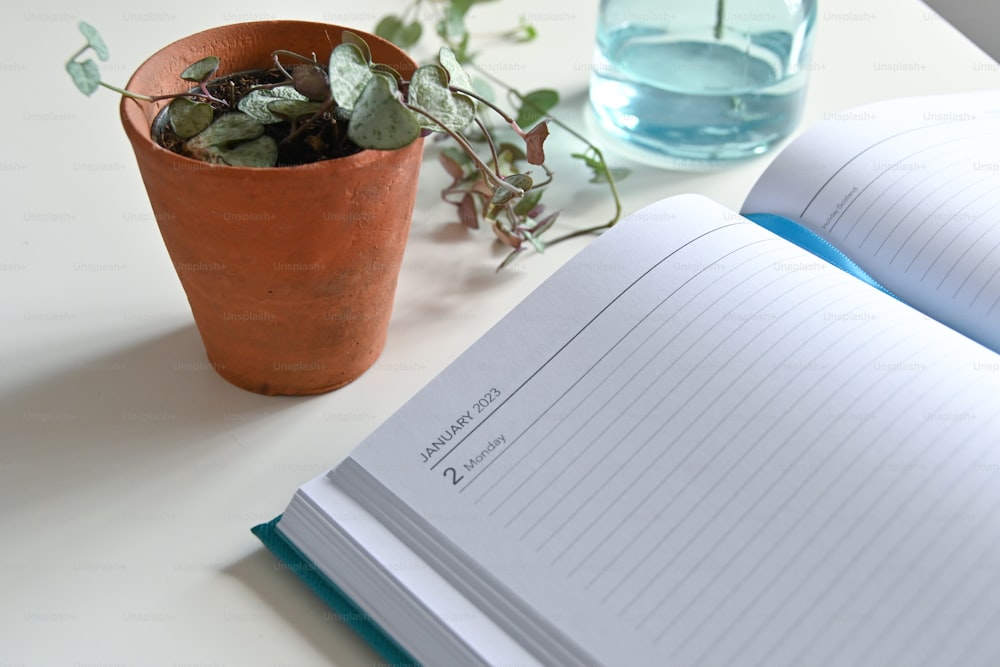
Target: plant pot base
pixel 282 387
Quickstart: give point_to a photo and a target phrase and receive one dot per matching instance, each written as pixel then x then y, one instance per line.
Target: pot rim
pixel 137 115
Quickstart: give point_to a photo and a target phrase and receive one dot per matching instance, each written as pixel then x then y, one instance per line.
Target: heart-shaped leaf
pixel 311 81
pixel 228 129
pixel 348 37
pixel 502 196
pixel 535 105
pixel 452 26
pixel 458 77
pixel 382 68
pixel 201 70
pixel 533 142
pixel 410 34
pixel 380 120
pixel 429 91
pixel 94 40
pixel 188 118
pixel 260 152
pixel 294 109
pixel 403 35
pixel 85 75
pixel 256 103
pixel 388 27
pixel 349 74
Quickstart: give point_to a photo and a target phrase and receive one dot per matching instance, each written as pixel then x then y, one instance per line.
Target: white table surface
pixel 130 473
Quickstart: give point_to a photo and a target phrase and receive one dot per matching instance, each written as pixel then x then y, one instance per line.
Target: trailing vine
pixel 534 108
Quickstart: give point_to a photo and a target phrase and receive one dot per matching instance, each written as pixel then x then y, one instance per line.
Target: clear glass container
pixel 697 83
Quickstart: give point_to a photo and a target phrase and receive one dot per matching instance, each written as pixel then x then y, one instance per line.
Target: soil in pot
pixel 323 138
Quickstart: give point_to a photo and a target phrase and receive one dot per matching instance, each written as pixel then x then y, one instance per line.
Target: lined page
pixel 697 444
pixel 909 189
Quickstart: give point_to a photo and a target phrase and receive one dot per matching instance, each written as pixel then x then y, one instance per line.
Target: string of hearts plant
pixel 468 190
pixel 325 109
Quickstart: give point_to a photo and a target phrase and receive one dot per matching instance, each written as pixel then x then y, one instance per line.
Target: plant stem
pixel 484 168
pixel 720 13
pixel 78 53
pixel 129 93
pixel 156 98
pixel 489 142
pixel 597 152
pixel 500 112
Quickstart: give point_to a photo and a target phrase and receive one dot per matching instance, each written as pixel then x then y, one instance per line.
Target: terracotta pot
pixel 290 271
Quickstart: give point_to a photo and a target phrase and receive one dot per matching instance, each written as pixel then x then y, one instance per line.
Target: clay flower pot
pixel 290 271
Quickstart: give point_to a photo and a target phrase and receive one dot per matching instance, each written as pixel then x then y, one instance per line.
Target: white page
pixel 306 522
pixel 909 189
pixel 713 448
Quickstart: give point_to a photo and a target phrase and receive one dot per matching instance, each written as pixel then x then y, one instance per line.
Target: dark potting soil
pixel 323 138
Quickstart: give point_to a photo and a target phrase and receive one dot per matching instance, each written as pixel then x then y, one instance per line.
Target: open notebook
pixel 710 446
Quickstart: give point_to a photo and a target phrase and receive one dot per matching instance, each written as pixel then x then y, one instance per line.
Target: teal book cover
pixel 341 605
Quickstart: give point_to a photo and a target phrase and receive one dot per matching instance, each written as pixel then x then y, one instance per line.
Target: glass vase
pixel 698 83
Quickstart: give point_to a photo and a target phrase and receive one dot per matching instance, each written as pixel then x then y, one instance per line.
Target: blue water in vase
pixel 683 101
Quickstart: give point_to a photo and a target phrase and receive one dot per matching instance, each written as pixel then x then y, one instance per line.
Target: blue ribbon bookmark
pixel 814 243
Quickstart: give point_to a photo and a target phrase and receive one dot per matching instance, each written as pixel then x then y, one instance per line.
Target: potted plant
pixel 290 270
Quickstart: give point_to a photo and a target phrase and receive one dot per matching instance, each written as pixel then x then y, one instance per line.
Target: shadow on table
pixel 152 405
pixel 282 591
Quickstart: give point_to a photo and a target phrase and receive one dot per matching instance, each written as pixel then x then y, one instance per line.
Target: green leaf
pixel 528 202
pixel 348 37
pixel 429 91
pixel 256 103
pixel 188 118
pixel 228 129
pixel 411 34
pixel 523 181
pixel 503 195
pixel 535 106
pixel 510 258
pixel 388 27
pixel 457 76
pixel 94 40
pixel 349 73
pixel 260 152
pixel 403 35
pixel 85 75
pixel 201 70
pixel 511 152
pixel 600 169
pixel 452 27
pixel 235 139
pixel 463 6
pixel 545 224
pixel 294 109
pixel 380 120
pixel 617 173
pixel 537 243
pixel 483 88
pixel 382 68
pixel 526 32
